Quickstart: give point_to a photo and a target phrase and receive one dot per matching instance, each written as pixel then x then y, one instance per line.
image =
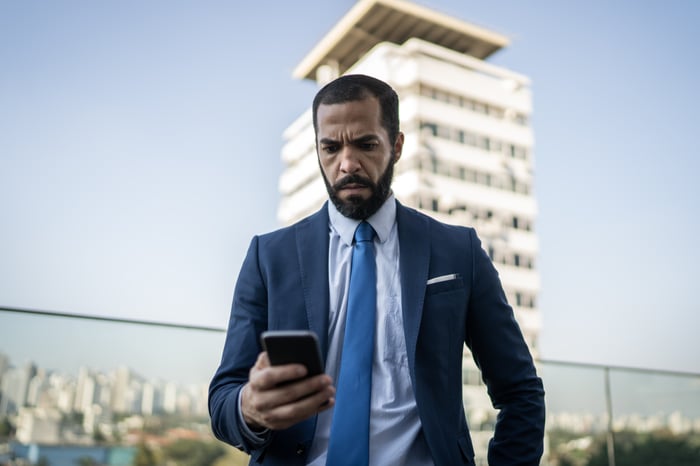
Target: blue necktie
pixel 349 441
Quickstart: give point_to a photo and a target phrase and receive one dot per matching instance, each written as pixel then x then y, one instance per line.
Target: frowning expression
pixel 356 156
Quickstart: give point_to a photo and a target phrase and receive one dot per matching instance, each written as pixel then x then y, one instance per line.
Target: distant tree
pixel 153 425
pixel 98 436
pixel 657 449
pixel 232 457
pixel 576 458
pixel 194 452
pixel 562 453
pixel 72 422
pixel 6 428
pixel 86 461
pixel 145 456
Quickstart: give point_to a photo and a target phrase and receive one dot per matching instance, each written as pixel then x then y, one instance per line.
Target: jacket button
pixel 301 449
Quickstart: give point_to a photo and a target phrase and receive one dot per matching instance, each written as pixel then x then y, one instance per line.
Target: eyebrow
pixel 360 140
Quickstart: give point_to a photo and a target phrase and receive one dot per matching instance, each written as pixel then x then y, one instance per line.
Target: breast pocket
pixel 454 284
pixel 445 299
pixel 444 315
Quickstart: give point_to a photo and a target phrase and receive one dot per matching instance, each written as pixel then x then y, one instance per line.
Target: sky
pixel 140 152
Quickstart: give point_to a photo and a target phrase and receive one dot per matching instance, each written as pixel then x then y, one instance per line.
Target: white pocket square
pixel 442 278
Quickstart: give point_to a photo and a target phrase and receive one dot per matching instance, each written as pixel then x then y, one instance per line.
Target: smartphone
pixel 293 347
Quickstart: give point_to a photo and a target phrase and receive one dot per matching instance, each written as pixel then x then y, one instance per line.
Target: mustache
pixel 353 179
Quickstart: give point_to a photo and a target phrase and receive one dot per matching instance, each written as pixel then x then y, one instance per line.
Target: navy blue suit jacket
pixel 283 284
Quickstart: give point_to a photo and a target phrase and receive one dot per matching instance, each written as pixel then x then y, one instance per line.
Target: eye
pixel 368 146
pixel 330 149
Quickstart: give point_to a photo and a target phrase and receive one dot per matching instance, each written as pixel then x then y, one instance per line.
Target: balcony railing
pixel 104 391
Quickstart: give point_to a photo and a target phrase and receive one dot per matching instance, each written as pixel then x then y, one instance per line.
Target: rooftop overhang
pixel 371 22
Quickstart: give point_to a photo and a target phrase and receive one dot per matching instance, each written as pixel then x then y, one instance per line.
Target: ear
pixel 398 146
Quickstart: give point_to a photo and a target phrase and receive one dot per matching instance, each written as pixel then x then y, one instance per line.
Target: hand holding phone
pixel 279 402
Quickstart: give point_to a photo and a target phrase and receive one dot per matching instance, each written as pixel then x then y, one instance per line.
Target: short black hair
pixel 354 87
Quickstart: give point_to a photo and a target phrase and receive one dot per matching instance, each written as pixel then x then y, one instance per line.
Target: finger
pixel 270 377
pixel 290 393
pixel 327 405
pixel 286 415
pixel 268 403
pixel 263 360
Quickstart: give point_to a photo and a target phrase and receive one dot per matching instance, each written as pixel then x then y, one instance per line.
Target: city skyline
pixel 135 138
pixel 85 414
pixel 642 401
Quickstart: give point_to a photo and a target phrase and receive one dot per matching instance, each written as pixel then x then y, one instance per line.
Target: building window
pixel 519 152
pixel 483 108
pixel 441 96
pixel 482 142
pixel 521 119
pixel 433 164
pixel 432 128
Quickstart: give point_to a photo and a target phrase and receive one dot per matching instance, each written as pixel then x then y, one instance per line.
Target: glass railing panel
pixel 655 416
pixel 654 400
pixel 576 408
pixel 80 391
pixel 99 392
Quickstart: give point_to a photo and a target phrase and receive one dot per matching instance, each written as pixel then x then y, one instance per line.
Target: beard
pixel 355 207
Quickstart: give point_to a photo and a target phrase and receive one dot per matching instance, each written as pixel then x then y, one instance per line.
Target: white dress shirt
pixel 395 431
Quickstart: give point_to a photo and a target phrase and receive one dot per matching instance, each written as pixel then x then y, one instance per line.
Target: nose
pixel 349 160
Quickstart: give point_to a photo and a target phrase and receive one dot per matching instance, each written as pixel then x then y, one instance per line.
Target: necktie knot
pixel 364 232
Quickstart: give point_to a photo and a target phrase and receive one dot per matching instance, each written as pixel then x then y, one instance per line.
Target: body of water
pixel 60 455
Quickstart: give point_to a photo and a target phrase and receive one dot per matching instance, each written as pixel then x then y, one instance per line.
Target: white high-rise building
pixel 14 388
pixel 84 391
pixel 468 152
pixel 120 402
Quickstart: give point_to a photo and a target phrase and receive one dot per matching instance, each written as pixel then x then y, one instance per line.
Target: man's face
pixel 356 156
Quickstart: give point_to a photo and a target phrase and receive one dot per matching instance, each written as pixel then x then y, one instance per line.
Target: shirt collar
pixel 382 221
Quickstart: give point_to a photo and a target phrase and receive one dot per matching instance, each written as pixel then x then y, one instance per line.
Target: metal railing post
pixel 608 404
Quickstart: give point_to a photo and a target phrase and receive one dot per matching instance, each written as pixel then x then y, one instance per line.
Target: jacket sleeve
pixel 500 351
pixel 248 319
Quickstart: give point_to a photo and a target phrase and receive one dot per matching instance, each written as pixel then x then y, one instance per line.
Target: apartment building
pixel 468 154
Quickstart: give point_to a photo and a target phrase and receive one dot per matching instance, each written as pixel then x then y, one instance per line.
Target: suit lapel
pixel 414 247
pixel 312 249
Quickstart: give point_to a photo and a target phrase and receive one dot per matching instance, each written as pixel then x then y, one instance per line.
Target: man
pixel 436 290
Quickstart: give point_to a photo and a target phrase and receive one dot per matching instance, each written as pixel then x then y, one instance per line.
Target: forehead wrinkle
pixel 358 140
